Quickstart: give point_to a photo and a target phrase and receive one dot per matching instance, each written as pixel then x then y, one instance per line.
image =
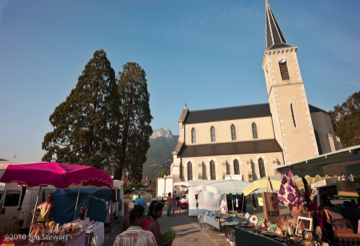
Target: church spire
pixel 274 36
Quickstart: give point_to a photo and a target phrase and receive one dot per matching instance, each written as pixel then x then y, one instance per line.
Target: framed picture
pixel 303 224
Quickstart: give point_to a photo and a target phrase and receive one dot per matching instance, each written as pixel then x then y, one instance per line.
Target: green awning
pixel 332 163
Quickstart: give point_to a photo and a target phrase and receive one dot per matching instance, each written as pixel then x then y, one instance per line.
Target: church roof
pixel 231 113
pixel 314 109
pixel 233 148
pixel 274 37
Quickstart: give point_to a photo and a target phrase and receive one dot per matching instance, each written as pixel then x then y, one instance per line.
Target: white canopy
pixel 225 187
pixel 195 182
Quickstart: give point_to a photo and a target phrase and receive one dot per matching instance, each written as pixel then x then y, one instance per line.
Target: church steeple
pixel 274 37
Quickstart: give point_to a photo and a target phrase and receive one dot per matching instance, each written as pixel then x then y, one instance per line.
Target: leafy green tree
pixel 136 130
pixel 346 121
pixel 87 124
pixel 154 181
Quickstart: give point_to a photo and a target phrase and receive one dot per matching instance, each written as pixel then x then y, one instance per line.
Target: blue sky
pixel 206 53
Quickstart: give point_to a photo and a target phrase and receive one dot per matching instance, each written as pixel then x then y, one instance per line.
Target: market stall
pixel 311 221
pixel 94 231
pixel 206 200
pixel 61 176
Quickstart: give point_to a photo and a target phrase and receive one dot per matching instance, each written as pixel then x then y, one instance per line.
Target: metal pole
pixel 77 200
pixel 164 187
pixel 36 204
pixel 232 201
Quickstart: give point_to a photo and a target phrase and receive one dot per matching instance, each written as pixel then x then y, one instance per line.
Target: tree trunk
pixel 118 172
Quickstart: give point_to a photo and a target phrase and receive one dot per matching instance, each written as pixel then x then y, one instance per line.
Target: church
pixel 251 140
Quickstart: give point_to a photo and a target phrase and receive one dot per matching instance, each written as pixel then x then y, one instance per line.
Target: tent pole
pixel 232 201
pixel 36 204
pixel 77 200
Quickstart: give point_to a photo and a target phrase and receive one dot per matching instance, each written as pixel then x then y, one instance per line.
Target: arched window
pixel 204 170
pixel 181 172
pixel 189 166
pixel 233 132
pixel 236 167
pixel 212 131
pixel 254 130
pixel 212 170
pixel 284 71
pixel 292 114
pixel 250 171
pixel 318 142
pixel 193 135
pixel 261 168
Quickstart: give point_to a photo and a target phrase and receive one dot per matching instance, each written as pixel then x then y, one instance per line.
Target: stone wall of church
pixel 325 132
pixel 289 107
pixel 223 130
pixel 224 165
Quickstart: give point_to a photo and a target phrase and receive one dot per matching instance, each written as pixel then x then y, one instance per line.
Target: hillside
pixel 159 155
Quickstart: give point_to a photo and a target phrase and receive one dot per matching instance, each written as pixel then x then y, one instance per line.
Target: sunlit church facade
pixel 251 140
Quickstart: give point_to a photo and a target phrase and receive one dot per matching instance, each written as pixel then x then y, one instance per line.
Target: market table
pixel 79 240
pixel 247 237
pixel 94 234
pixel 211 221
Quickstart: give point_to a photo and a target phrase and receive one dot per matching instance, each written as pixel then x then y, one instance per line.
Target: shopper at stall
pixel 169 203
pixel 135 235
pixel 174 203
pixel 155 212
pixel 140 201
pixel 126 221
pixel 46 209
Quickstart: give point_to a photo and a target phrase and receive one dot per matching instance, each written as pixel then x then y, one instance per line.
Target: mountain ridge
pixel 159 156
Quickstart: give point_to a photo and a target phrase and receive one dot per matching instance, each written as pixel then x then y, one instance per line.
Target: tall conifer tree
pixel 136 129
pixel 87 125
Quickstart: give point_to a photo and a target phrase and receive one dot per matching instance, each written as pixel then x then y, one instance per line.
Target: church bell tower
pixel 286 92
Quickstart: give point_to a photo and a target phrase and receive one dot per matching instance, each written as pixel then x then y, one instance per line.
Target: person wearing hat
pixel 141 202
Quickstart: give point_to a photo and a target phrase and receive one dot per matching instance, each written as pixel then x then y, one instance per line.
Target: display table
pixel 95 235
pixel 211 221
pixel 247 237
pixel 79 240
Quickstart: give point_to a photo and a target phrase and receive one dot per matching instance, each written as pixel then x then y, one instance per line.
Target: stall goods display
pixel 223 217
pixel 48 234
pixel 281 231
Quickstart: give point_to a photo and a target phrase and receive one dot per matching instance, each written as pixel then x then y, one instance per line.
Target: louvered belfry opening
pixel 284 71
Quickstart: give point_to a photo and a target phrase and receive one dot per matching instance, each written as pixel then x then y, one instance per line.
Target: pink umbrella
pixel 62 176
pixel 59 175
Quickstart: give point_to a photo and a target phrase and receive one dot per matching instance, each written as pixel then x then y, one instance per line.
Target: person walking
pixel 174 203
pixel 155 212
pixel 169 203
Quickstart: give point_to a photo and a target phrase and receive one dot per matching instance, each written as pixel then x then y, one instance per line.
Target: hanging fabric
pixel 308 205
pixel 289 194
